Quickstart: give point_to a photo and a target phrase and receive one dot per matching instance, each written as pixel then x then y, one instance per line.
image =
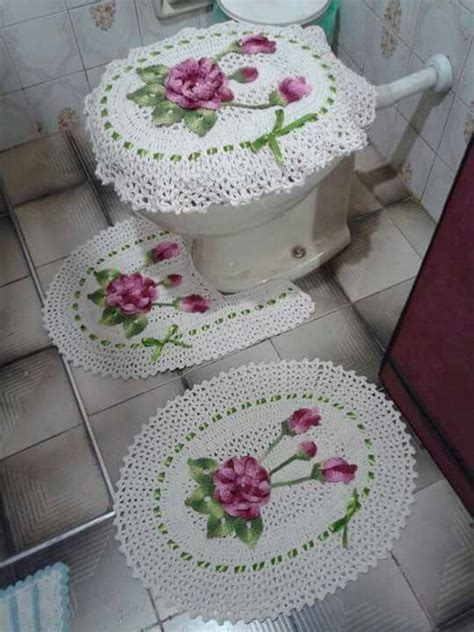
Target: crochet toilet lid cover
pixel 224 115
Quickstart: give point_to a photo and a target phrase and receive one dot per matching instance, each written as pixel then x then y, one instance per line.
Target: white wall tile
pixel 94 76
pixel 379 133
pixel 59 104
pixel 152 29
pixel 17 122
pixel 399 15
pixel 428 112
pixel 105 31
pixel 438 187
pixel 43 49
pixel 21 10
pixel 465 89
pixel 353 31
pixel 387 55
pixel 8 77
pixel 348 61
pixel 444 26
pixel 456 135
pixel 71 4
pixel 410 155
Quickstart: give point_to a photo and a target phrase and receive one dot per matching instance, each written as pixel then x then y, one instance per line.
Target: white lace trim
pixel 233 322
pixel 237 414
pixel 140 158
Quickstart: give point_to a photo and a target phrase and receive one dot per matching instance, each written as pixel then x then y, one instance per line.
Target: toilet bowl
pixel 279 235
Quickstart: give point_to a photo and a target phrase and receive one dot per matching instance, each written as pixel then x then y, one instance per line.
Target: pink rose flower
pixel 251 44
pixel 337 470
pixel 246 74
pixel 242 487
pixel 172 280
pixel 303 419
pixel 293 89
pixel 307 449
pixel 198 83
pixel 131 293
pixel 193 303
pixel 165 250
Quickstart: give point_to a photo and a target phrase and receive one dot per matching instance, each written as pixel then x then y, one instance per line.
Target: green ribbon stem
pixel 171 337
pixel 295 457
pixel 295 481
pixel 271 139
pixel 343 523
pixel 272 445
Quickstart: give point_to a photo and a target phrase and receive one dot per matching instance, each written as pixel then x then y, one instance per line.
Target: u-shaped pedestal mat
pixel 129 303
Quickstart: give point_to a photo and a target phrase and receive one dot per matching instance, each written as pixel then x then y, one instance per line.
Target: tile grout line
pixel 420 604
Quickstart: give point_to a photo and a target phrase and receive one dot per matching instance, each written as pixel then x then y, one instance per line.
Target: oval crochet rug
pixel 264 489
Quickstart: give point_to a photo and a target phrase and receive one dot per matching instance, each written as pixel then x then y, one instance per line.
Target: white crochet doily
pixel 299 556
pixel 170 168
pixel 233 322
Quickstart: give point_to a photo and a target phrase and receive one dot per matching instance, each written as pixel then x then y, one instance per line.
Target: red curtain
pixel 429 366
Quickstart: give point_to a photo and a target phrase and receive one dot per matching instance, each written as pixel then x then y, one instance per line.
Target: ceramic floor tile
pixel 48 165
pixel 362 200
pixel 47 272
pixel 50 488
pixel 81 141
pixel 262 352
pixel 414 222
pixel 464 623
pixel 59 223
pixel 117 210
pixel 36 402
pixel 13 262
pixel 324 290
pixel 381 311
pixel 99 393
pixel 21 327
pixel 339 337
pixel 383 183
pixel 104 597
pixel 116 427
pixel 183 623
pixel 428 471
pixel 378 601
pixel 377 258
pixel 435 552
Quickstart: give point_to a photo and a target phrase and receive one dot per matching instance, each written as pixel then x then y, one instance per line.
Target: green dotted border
pixel 195 155
pixel 231 315
pixel 277 559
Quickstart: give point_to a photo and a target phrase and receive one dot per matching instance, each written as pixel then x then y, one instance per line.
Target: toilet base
pixel 285 247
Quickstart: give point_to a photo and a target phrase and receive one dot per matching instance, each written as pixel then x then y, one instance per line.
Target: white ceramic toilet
pixel 285 235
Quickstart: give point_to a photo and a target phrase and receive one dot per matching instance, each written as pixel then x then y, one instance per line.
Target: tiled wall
pixel 424 137
pixel 52 52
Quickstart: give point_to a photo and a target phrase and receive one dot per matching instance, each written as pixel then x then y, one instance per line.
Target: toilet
pixel 247 220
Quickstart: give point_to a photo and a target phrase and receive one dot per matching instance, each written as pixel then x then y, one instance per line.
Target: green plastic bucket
pixel 327 20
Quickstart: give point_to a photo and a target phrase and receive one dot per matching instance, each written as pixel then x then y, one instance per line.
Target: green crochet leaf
pixel 133 325
pixel 249 531
pixel 153 74
pixel 167 113
pixel 148 95
pixel 200 121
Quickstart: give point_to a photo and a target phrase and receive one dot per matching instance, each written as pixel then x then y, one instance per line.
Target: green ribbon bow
pixel 278 130
pixel 343 523
pixel 171 337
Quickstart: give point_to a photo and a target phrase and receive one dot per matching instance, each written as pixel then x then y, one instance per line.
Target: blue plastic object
pixel 327 21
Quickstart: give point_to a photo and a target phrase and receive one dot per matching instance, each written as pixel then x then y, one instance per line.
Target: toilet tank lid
pixel 275 12
pixel 224 115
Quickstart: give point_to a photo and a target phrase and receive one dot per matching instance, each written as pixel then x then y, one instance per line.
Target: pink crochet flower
pixel 308 449
pixel 246 74
pixel 251 44
pixel 303 419
pixel 165 250
pixel 337 470
pixel 193 303
pixel 172 280
pixel 198 83
pixel 242 487
pixel 131 293
pixel 293 89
